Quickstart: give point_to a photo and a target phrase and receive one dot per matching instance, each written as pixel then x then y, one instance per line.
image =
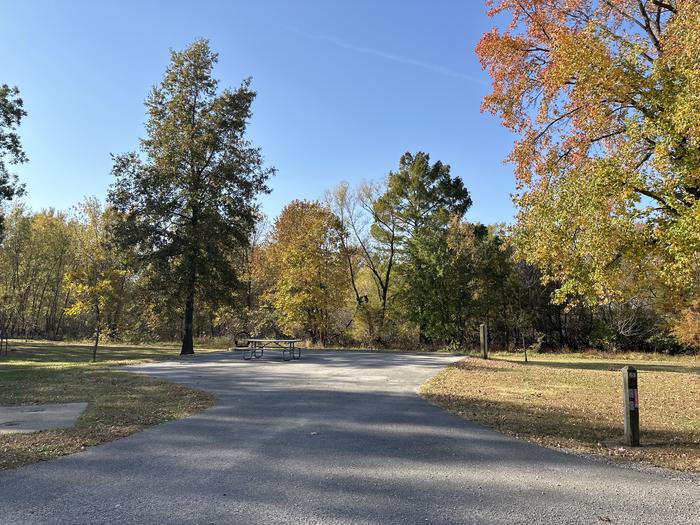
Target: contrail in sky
pixel 387 56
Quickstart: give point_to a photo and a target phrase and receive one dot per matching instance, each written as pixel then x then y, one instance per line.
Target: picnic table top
pixel 256 340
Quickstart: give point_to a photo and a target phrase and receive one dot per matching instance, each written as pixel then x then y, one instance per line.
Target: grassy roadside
pixel 574 401
pixel 119 403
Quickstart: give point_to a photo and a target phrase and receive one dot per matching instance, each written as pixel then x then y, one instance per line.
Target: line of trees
pixel 384 264
pixel 395 263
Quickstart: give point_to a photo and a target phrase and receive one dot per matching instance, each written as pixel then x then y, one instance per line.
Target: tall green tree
pixel 422 198
pixel 11 114
pixel 189 196
pixel 419 194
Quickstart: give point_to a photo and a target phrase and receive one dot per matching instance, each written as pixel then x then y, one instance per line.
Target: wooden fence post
pixel 484 340
pixel 631 402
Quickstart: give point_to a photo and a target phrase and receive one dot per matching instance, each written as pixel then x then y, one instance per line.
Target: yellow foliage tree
pixel 96 282
pixel 306 276
pixel 604 97
pixel 687 329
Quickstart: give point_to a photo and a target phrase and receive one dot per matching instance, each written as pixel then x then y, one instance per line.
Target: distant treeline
pixel 390 264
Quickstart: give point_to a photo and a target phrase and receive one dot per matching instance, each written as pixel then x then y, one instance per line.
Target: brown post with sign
pixel 631 400
pixel 484 340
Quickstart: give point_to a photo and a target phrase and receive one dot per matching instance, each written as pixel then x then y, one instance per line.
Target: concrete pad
pixel 32 418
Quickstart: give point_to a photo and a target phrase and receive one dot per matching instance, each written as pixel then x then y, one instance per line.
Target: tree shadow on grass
pixel 613 365
pixel 49 352
pixel 575 428
pixel 292 456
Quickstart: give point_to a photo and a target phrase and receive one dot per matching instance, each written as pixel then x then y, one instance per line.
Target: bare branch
pixel 664 5
pixel 553 122
pixel 658 198
pixel 647 25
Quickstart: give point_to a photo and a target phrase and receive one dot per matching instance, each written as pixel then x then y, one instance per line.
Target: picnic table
pixel 255 347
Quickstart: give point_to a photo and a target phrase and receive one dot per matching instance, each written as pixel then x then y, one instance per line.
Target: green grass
pixel 574 401
pixel 119 403
pixel 50 354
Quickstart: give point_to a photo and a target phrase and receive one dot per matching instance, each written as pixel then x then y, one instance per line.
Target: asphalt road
pixel 333 438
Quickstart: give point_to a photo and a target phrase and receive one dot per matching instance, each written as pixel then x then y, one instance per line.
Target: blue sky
pixel 344 89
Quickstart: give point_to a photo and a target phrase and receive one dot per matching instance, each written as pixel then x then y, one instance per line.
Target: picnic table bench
pixel 255 347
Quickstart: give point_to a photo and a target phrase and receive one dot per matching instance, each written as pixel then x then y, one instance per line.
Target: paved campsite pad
pixel 333 438
pixel 32 418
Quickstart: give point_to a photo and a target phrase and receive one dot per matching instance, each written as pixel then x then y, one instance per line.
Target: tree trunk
pixel 423 338
pixel 187 337
pixel 97 336
pixel 59 323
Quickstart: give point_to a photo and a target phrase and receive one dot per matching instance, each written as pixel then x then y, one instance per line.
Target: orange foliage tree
pixel 604 98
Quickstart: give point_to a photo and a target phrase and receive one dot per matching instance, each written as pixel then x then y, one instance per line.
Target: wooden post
pixel 631 401
pixel 484 340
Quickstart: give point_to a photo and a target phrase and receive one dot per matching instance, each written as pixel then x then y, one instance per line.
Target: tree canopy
pixel 188 198
pixel 424 198
pixel 603 96
pixel 308 280
pixel 11 114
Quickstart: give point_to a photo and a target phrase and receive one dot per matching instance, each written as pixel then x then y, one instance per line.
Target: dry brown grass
pixel 575 402
pixel 119 403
